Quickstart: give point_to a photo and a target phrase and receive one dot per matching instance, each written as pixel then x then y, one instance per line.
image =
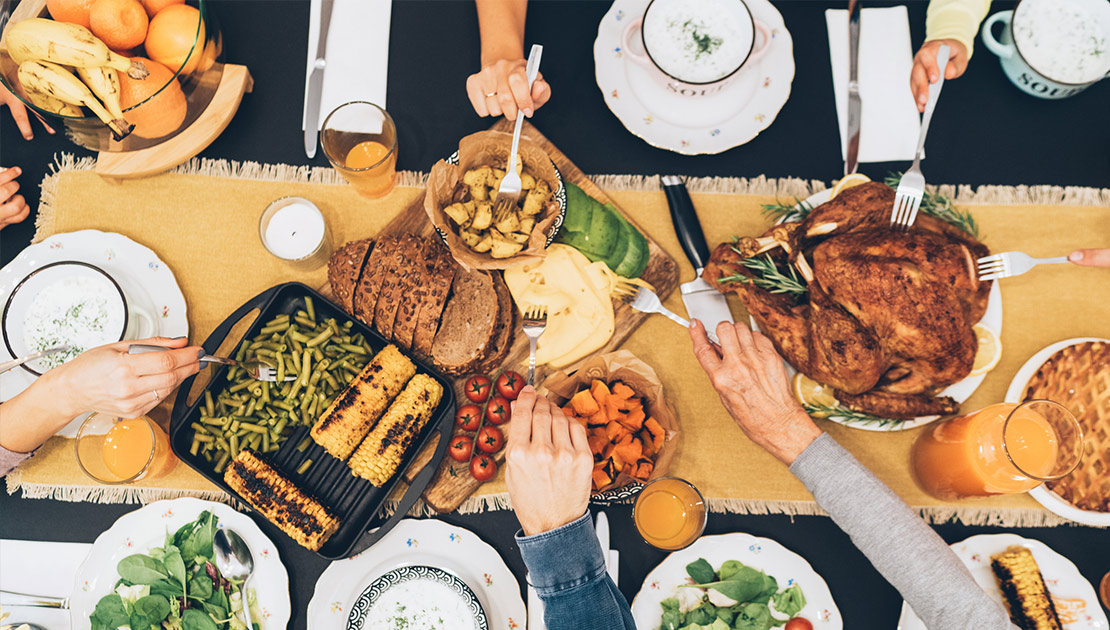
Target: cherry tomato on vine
pixel 483 467
pixel 461 447
pixel 469 417
pixel 509 384
pixel 498 411
pixel 477 388
pixel 490 439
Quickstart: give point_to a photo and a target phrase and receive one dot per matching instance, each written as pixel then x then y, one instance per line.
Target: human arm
pixel 13 207
pixel 19 113
pixel 105 379
pixel 501 86
pixel 548 467
pixel 750 379
pixel 952 22
pixel 1091 257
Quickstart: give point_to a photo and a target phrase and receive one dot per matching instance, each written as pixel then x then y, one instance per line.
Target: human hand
pixel 925 69
pixel 548 465
pixel 750 379
pixel 13 207
pixel 19 113
pixel 501 87
pixel 1091 257
pixel 109 380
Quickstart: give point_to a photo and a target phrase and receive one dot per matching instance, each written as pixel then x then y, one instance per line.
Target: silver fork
pixel 535 322
pixel 646 301
pixel 255 368
pixel 508 193
pixel 911 188
pixel 1009 264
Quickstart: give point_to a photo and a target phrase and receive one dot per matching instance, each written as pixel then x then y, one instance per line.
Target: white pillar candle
pixel 294 231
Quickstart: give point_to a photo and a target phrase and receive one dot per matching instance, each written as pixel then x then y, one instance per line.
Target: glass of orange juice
pixel 116 450
pixel 360 141
pixel 670 513
pixel 1005 448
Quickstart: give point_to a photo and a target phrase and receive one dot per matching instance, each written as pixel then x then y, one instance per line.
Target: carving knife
pixel 702 301
pixel 316 82
pixel 851 161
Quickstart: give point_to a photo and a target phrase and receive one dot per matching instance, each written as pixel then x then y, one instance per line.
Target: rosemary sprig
pixel 769 277
pixel 848 416
pixel 941 207
pixel 789 212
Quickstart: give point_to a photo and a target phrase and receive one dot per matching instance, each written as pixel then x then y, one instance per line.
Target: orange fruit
pixel 119 23
pixel 154 6
pixel 171 36
pixel 72 11
pixel 164 112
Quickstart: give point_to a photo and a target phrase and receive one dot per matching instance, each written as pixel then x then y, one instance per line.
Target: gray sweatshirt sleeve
pixel 906 551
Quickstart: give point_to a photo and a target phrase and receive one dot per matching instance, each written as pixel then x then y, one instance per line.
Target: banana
pixel 50 104
pixel 104 82
pixel 67 44
pixel 56 81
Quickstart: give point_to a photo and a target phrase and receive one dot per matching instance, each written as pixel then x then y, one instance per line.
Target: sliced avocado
pixel 598 242
pixel 624 238
pixel 580 210
pixel 636 257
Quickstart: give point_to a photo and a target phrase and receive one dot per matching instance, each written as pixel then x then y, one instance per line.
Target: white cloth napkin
pixel 889 121
pixel 357 54
pixel 40 568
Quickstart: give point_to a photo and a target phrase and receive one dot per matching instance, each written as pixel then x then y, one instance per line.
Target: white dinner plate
pixel 145 279
pixel 1075 599
pixel 785 566
pixel 1049 499
pixel 960 391
pixel 427 542
pixel 145 528
pixel 693 125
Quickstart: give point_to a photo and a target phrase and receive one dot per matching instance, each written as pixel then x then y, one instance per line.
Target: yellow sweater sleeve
pixel 955 19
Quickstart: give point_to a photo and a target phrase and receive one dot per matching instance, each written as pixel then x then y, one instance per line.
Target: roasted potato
pixel 470 237
pixel 458 214
pixel 503 247
pixel 527 182
pixel 508 223
pixel 518 237
pixel 483 215
pixel 479 192
pixel 506 234
pixel 526 224
pixel 477 176
pixel 534 202
pixel 484 245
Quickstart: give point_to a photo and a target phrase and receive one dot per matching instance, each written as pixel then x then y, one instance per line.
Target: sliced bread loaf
pixel 414 292
pixel 396 280
pixel 505 332
pixel 345 271
pixel 468 326
pixel 377 267
pixel 439 287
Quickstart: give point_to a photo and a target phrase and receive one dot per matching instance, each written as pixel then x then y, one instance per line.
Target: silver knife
pixel 316 82
pixel 535 607
pixel 601 526
pixel 851 161
pixel 702 301
pixel 14 363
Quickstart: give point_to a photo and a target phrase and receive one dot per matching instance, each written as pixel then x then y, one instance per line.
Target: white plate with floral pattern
pixel 145 279
pixel 146 527
pixel 1074 597
pixel 427 542
pixel 693 125
pixel 764 554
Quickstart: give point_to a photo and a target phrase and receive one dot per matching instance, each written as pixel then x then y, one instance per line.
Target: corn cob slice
pixel 354 412
pixel 1023 590
pixel 284 504
pixel 379 456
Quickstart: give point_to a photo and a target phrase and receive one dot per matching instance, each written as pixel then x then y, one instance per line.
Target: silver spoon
pixel 7 365
pixel 234 560
pixel 20 624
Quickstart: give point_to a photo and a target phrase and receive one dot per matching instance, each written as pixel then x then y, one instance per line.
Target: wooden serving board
pixel 454 484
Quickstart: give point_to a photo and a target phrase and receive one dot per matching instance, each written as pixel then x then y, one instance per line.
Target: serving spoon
pixel 234 560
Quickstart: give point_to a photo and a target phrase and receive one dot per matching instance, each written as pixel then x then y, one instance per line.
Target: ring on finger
pixel 491 94
pixel 156 396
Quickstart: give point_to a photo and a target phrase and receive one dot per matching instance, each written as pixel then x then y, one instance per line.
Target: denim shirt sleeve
pixel 567 569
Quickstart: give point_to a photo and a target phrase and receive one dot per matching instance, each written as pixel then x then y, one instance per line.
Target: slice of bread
pixel 428 317
pixel 345 271
pixel 397 279
pixel 415 292
pixel 374 271
pixel 507 325
pixel 469 323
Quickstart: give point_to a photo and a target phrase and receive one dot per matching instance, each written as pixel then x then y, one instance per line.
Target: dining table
pixel 985 131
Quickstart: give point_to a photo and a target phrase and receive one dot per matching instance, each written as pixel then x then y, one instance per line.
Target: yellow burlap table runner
pixel 203 222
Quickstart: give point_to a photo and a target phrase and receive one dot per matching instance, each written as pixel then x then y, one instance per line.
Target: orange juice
pixel 360 141
pixel 115 450
pixel 669 513
pixel 980 454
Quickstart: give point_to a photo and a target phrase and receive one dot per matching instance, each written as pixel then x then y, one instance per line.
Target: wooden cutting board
pixel 454 484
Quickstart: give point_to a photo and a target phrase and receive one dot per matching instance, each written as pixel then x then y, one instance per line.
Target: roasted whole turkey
pixel 887 316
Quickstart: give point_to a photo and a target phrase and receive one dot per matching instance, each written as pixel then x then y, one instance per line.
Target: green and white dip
pixel 698 41
pixel 1062 39
pixel 419 605
pixel 82 311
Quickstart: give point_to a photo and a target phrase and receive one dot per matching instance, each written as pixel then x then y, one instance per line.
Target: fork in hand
pixel 256 369
pixel 1009 264
pixel 645 300
pixel 911 188
pixel 535 322
pixel 508 193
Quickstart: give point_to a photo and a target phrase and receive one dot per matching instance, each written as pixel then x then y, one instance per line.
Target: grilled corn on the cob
pixel 284 504
pixel 354 412
pixel 1023 590
pixel 379 456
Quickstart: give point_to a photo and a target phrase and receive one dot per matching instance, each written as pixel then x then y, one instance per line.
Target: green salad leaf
pixel 700 571
pixel 141 569
pixel 109 613
pixel 734 597
pixel 789 601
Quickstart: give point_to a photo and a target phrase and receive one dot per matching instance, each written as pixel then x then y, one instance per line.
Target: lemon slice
pixel 854 179
pixel 988 352
pixel 809 391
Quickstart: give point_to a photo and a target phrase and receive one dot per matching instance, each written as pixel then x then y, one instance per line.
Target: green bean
pixel 297 360
pixel 199 428
pixel 266 442
pixel 279 319
pixel 330 380
pixel 222 462
pixel 308 306
pixel 275 328
pixel 194 448
pixel 349 347
pixel 216 422
pixel 295 335
pixel 281 404
pixel 240 386
pixel 320 338
pixel 209 406
pixel 250 409
pixel 304 321
pixel 304 466
pixel 265 398
pixel 203 437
